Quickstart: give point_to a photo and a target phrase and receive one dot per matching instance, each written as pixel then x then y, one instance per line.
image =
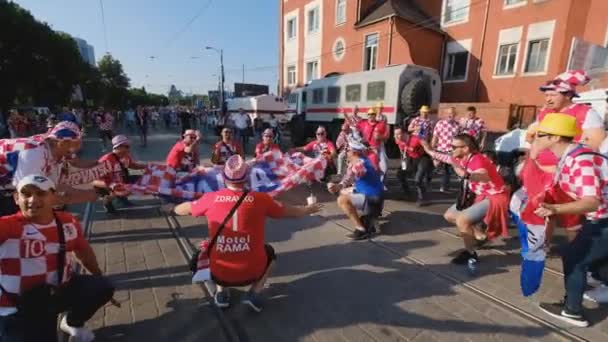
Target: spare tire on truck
pixel 414 95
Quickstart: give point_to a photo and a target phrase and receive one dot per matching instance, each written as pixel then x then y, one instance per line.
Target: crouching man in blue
pixel 366 196
pixel 36 284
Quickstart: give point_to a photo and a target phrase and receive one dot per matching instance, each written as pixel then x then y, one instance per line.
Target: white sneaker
pixel 592 281
pixel 81 334
pixel 597 295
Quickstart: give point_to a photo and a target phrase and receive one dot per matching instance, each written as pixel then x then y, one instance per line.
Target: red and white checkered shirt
pixel 105 122
pixel 477 162
pixel 584 176
pixel 421 127
pixel 225 150
pixel 28 254
pixel 10 147
pixel 444 131
pixel 354 171
pixel 473 127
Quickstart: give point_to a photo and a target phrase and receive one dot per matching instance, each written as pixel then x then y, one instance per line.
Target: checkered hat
pixel 567 82
pixel 235 169
pixel 64 130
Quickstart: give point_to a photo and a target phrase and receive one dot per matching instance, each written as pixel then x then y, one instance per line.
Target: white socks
pixel 81 334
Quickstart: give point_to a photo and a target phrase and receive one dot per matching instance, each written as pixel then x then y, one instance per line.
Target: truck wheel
pixel 414 95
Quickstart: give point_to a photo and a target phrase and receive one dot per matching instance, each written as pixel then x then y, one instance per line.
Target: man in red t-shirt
pixel 240 256
pixel 184 156
pixel 375 133
pixel 29 259
pixel 226 147
pixel 417 163
pixel 121 161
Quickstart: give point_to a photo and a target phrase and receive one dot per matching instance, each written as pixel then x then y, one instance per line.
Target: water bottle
pixel 472 266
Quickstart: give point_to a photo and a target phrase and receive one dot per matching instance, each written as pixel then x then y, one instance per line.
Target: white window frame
pixel 343 21
pixel 508 36
pixel 295 27
pixel 295 74
pixel 313 77
pixel 454 22
pixel 314 29
pixel 515 5
pixel 365 48
pixel 333 49
pixel 538 31
pixel 497 64
pixel 457 46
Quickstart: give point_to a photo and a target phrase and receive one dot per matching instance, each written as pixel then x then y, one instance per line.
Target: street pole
pixel 243 73
pixel 222 76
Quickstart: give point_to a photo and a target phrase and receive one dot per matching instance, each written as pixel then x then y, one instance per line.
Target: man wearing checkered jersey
pixel 583 176
pixel 30 245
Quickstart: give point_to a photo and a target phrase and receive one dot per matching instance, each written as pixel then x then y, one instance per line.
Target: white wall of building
pixel 290 45
pixel 312 40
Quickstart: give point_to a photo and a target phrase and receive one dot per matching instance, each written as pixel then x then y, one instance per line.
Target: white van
pixel 597 98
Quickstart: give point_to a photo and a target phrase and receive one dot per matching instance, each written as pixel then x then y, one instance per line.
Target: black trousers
pixel 80 298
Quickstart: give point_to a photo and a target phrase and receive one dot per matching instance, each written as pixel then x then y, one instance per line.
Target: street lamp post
pixel 221 52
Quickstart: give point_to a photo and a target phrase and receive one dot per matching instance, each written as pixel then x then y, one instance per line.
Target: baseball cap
pixel 559 124
pixel 39 181
pixel 235 169
pixel 119 140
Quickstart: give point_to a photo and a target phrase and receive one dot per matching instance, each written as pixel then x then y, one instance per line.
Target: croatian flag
pixel 273 172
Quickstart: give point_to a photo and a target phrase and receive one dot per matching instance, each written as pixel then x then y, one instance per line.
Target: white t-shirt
pixel 240 120
pixel 593 119
pixel 37 161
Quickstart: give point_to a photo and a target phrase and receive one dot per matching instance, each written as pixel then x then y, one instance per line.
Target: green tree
pixel 115 82
pixel 37 65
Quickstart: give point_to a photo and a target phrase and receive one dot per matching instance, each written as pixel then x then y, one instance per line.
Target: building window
pixel 375 91
pixel 333 94
pixel 339 49
pixel 317 96
pixel 312 70
pixel 291 28
pixel 353 93
pixel 456 66
pixel 537 55
pixel 291 75
pixel 340 12
pixel 313 20
pixel 514 2
pixel 371 52
pixel 505 64
pixel 455 11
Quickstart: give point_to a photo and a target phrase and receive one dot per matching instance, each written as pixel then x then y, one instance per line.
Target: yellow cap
pixel 372 111
pixel 559 124
pixel 424 109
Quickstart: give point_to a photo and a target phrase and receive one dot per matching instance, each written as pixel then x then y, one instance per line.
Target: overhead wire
pixel 103 23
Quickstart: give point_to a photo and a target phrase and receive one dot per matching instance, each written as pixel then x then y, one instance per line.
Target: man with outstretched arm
pixel 240 256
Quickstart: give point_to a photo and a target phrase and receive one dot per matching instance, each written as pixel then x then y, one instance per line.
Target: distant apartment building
pixel 86 50
pixel 485 50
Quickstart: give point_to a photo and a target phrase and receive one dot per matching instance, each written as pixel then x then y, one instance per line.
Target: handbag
pixel 466 197
pixel 199 262
pixel 40 303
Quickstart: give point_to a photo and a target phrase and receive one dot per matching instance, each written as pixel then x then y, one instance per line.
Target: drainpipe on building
pixel 358 11
pixel 390 40
pixel 483 40
pixel 281 52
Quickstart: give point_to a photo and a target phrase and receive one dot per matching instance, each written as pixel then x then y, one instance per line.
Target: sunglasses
pixel 227 132
pixel 267 136
pixel 320 133
pixel 542 135
pixel 458 146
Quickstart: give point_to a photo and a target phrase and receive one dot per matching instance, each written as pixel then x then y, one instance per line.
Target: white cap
pixel 41 182
pixel 356 145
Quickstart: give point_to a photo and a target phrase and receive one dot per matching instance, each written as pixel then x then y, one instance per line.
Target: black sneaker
pixel 109 207
pixel 463 257
pixel 359 235
pixel 222 298
pixel 559 311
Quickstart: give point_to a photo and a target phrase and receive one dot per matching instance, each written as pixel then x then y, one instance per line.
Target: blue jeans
pixel 589 247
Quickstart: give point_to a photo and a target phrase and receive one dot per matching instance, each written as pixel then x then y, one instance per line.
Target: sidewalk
pixel 159 303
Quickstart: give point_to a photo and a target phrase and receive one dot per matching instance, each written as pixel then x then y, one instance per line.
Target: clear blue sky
pixel 247 30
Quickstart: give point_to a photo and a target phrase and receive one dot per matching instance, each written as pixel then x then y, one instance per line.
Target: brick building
pixel 496 51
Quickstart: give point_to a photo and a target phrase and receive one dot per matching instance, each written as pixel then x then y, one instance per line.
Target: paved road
pixel 398 286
